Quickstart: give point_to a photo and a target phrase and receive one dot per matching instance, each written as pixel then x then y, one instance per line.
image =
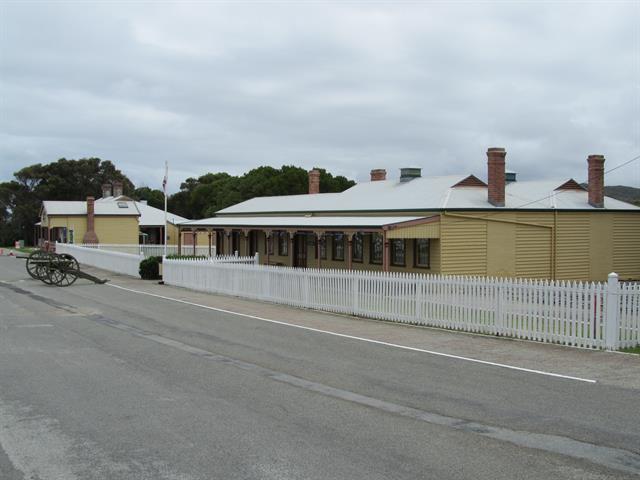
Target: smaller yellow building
pixel 89 222
pixel 112 219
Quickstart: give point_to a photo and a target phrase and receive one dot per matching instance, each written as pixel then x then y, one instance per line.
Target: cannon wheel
pixel 37 264
pixel 63 270
pixel 47 269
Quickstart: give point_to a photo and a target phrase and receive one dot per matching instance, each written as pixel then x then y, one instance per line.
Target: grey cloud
pixel 347 87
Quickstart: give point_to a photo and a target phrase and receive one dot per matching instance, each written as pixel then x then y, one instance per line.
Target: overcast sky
pixel 214 86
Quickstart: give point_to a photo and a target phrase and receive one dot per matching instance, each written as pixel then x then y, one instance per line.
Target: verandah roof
pixel 302 223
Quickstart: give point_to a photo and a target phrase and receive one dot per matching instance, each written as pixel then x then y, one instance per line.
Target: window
pixel 71 236
pixel 268 243
pixel 376 248
pixel 421 252
pixel 338 246
pixel 397 252
pixel 322 246
pixel 283 244
pixel 357 246
pixel 219 242
pixel 253 243
pixel 235 243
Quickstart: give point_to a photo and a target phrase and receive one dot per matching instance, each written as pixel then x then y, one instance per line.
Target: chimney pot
pixel 378 174
pixel 106 190
pixel 496 176
pixel 595 187
pixel 118 189
pixel 314 181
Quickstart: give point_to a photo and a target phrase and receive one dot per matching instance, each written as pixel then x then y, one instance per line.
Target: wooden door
pixel 300 251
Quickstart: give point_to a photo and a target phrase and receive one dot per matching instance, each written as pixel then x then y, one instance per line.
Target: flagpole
pixel 164 187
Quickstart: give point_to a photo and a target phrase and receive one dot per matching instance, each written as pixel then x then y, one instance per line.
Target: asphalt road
pixel 101 383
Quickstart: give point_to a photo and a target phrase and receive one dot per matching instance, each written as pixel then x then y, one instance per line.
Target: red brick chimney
pixel 118 189
pixel 496 176
pixel 314 181
pixel 90 235
pixel 378 174
pixel 596 180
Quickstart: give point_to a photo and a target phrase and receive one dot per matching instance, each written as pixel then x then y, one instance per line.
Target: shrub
pixel 150 268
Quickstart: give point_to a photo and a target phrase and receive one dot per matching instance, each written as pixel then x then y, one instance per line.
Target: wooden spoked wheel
pixel 63 270
pixel 37 264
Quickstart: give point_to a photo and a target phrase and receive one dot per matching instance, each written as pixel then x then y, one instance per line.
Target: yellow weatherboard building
pixel 450 225
pixel 113 219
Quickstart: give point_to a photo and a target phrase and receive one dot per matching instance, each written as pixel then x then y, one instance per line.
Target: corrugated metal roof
pixel 149 216
pixel 299 222
pixel 426 193
pixel 55 207
pixel 154 217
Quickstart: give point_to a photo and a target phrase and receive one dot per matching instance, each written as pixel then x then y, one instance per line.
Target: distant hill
pixel 622 193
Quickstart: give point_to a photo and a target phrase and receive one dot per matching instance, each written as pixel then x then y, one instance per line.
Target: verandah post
pixel 612 319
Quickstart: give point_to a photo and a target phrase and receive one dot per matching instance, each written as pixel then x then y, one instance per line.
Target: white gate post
pixel 354 293
pixel 499 310
pixel 612 320
pixel 419 294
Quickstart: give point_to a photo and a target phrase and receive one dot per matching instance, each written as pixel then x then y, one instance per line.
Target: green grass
pixel 23 250
pixel 635 350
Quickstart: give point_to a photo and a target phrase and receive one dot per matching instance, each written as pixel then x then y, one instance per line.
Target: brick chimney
pixel 314 181
pixel 118 189
pixel 90 235
pixel 496 176
pixel 378 174
pixel 596 180
pixel 106 190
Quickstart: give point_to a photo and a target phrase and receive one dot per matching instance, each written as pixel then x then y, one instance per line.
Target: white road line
pixel 362 339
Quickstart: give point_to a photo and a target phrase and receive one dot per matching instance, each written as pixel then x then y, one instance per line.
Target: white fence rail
pixel 126 259
pixel 594 315
pixel 254 260
pixel 119 262
pixel 150 250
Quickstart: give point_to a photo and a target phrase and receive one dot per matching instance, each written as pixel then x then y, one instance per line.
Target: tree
pixel 203 196
pixel 21 198
pixel 154 198
pixel 61 180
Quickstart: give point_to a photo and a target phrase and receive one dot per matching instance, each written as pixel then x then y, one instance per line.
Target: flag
pixel 166 175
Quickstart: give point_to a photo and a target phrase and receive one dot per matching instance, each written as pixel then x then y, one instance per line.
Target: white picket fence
pixel 128 263
pixel 150 250
pixel 119 262
pixel 254 260
pixel 594 315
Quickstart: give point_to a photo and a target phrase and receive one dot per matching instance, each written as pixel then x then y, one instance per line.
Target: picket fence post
pixel 612 320
pixel 499 320
pixel 354 293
